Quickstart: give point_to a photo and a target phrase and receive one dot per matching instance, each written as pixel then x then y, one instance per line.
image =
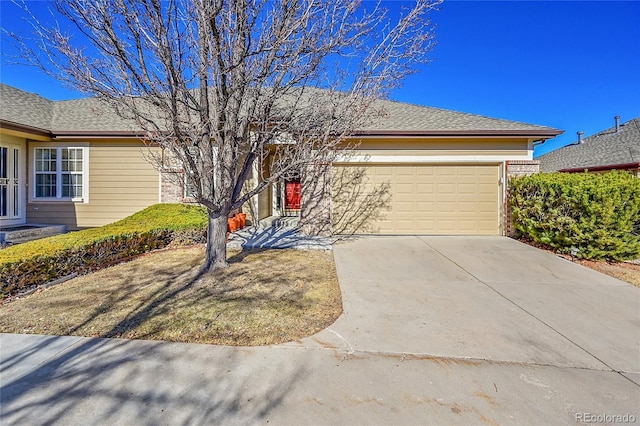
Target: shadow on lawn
pixel 112 381
pixel 179 279
pixel 147 307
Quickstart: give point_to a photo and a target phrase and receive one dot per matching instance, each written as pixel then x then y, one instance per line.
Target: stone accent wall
pixel 171 190
pixel 522 167
pixel 513 169
pixel 315 213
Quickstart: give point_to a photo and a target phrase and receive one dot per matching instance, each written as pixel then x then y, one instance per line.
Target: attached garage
pixel 418 171
pixel 436 198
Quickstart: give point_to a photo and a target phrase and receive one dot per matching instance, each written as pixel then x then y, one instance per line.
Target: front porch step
pixel 279 222
pixel 28 232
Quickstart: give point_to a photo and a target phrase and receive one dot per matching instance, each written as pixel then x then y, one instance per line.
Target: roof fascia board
pixel 97 134
pixel 16 127
pixel 457 133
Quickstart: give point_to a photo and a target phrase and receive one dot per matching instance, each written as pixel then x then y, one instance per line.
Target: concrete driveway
pixel 487 299
pixel 435 330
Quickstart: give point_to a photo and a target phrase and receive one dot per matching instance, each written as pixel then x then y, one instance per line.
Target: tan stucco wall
pixel 121 182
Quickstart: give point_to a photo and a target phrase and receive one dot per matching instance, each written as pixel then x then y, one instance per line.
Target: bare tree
pixel 222 84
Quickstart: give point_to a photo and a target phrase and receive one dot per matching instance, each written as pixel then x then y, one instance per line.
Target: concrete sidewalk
pixel 435 331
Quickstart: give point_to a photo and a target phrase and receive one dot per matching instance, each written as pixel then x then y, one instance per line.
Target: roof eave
pixel 23 128
pixel 538 134
pixel 97 134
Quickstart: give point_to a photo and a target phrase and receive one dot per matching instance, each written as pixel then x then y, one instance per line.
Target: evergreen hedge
pixel 598 214
pixel 40 261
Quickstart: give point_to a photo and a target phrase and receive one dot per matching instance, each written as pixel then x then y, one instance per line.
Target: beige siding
pixel 437 199
pixel 121 182
pixel 8 138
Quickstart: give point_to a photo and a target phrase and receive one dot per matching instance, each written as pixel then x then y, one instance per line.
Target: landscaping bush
pixel 40 261
pixel 599 214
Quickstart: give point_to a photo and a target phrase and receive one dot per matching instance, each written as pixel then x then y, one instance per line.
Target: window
pixel 60 173
pixel 72 172
pixel 190 189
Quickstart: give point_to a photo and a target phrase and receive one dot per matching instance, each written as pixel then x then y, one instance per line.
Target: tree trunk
pixel 216 243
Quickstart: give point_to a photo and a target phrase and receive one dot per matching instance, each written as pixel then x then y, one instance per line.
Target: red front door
pixel 292 190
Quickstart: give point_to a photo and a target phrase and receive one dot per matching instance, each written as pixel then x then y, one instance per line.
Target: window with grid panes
pixel 59 172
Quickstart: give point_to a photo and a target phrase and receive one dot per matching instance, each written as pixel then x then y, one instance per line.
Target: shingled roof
pixel 409 119
pixel 87 115
pixel 90 116
pixel 606 148
pixel 26 109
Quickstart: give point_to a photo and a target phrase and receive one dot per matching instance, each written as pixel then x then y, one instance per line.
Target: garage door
pixel 431 199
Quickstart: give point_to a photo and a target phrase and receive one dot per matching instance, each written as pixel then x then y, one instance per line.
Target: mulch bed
pixel 628 271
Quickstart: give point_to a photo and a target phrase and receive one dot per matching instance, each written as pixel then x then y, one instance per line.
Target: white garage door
pixel 435 199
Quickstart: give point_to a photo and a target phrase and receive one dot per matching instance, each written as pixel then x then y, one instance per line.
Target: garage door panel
pixel 486 207
pixel 438 199
pixel 470 172
pixel 467 188
pixel 445 188
pixel 444 171
pixel 425 171
pixel 406 188
pixel 386 173
pixel 467 225
pixel 445 205
pixel 404 179
pixel 403 206
pixel 425 206
pixel 467 207
pixel 424 188
pixel 445 225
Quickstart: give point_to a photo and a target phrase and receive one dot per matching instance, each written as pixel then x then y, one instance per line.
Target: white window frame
pixel 84 197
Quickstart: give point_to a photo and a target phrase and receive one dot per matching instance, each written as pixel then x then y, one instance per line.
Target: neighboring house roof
pixel 90 116
pixel 607 148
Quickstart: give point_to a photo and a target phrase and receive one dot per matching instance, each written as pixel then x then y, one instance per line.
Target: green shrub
pixel 599 214
pixel 40 261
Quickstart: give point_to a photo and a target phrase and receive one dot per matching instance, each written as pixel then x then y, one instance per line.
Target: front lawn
pixel 264 297
pixel 26 266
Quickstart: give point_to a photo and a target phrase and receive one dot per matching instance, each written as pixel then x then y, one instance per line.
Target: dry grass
pixel 264 297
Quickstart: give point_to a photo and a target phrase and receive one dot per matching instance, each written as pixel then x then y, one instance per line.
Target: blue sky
pixel 571 65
